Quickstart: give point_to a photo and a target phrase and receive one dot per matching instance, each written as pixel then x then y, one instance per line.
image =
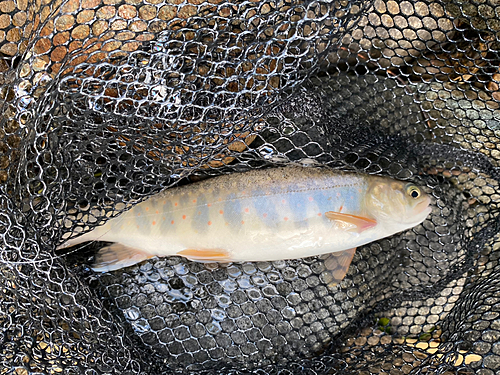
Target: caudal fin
pixel 116 256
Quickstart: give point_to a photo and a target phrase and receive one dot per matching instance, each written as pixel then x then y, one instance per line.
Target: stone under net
pixel 105 103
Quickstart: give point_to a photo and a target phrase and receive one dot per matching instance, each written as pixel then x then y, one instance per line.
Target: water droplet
pixel 95 106
pixel 132 313
pixel 176 295
pixel 25 102
pixel 244 282
pixel 166 274
pixel 233 271
pixel 181 269
pixel 229 285
pixel 218 314
pixel 154 276
pixel 161 287
pixel 213 327
pixel 266 152
pixel 146 267
pixel 141 326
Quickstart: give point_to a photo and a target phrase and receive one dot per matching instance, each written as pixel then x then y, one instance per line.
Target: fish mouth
pixel 423 207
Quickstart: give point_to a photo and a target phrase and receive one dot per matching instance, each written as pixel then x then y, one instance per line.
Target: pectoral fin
pixel 360 223
pixel 206 255
pixel 337 265
pixel 116 256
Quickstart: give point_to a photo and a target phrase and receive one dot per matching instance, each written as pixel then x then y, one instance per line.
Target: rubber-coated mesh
pixel 106 102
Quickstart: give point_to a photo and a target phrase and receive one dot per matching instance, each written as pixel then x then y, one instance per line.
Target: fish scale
pixel 262 215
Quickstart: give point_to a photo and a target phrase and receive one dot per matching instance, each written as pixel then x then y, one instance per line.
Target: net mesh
pixel 106 102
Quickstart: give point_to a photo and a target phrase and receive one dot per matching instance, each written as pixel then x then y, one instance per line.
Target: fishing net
pixel 106 102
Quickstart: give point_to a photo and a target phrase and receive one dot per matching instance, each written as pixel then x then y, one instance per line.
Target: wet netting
pixel 107 102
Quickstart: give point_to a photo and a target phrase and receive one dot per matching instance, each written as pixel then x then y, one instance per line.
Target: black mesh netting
pixel 106 102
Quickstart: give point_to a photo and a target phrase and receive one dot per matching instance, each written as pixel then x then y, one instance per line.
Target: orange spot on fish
pixel 175 204
pixel 243 192
pixel 172 222
pixel 242 222
pixel 199 212
pixel 164 202
pixel 246 209
pixel 209 223
pixel 154 222
pixel 194 200
pixel 157 212
pixel 183 217
pixel 139 214
pixel 319 214
pixel 147 208
pixel 209 205
pixel 311 199
pixel 227 223
pixel 265 215
pixel 163 218
pixel 221 212
pixel 137 226
pixel 283 201
pixel 220 199
pixel 341 207
pixel 285 218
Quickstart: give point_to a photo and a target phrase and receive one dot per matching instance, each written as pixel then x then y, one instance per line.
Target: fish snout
pixel 420 211
pixel 423 205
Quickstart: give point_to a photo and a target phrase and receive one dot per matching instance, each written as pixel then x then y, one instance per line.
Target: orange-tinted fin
pixel 360 223
pixel 206 255
pixel 337 265
pixel 116 256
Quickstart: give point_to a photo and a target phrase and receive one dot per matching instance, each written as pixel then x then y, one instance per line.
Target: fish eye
pixel 413 191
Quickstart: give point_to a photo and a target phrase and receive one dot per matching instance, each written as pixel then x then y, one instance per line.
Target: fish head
pixel 397 204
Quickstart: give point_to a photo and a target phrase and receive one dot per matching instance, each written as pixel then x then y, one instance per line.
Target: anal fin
pixel 337 264
pixel 206 255
pixel 116 256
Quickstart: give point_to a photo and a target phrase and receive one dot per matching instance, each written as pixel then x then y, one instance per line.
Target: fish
pixel 262 215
